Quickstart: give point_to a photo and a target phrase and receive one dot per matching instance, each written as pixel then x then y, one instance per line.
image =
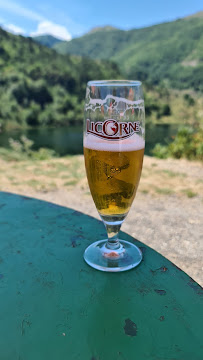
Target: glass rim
pixel 114 83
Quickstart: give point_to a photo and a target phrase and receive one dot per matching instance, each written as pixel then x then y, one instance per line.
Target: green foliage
pixel 190 193
pixel 39 87
pixel 43 154
pixel 22 150
pixel 154 105
pixel 10 155
pixel 189 100
pixel 166 110
pixel 187 143
pixel 22 147
pixel 160 151
pixel 169 53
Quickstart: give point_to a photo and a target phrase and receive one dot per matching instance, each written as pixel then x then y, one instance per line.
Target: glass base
pixel 126 257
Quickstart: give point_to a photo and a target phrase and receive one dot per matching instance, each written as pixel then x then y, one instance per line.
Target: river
pixel 68 140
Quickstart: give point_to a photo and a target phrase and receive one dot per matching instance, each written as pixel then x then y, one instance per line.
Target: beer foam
pixel 133 143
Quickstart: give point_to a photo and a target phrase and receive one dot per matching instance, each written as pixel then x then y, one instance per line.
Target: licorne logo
pixel 111 129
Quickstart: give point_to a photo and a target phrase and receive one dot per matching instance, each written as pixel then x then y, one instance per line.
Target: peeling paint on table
pixel 54 306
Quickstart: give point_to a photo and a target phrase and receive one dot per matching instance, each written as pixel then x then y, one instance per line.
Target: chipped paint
pixel 162 269
pixel 196 287
pixel 160 292
pixel 73 243
pixel 130 328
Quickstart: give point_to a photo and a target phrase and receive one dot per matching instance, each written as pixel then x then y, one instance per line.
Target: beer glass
pixel 114 144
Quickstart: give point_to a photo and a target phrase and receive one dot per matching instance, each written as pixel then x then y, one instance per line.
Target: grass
pixel 15 183
pixel 31 176
pixel 59 167
pixel 164 191
pixel 170 173
pixel 40 185
pixel 39 171
pixel 173 174
pixel 70 183
pixel 144 191
pixel 190 193
pixel 65 177
pixel 33 183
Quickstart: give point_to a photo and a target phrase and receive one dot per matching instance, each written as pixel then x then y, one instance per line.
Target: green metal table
pixel 53 306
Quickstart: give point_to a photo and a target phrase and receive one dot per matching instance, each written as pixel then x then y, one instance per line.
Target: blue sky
pixel 68 19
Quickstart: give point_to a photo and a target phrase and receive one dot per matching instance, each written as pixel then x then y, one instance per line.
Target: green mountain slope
pixel 41 87
pixel 47 40
pixel 169 53
pixel 50 41
pixel 96 44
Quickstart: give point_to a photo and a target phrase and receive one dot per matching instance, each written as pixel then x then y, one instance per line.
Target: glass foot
pixel 126 257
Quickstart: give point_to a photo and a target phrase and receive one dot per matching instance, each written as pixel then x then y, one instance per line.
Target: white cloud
pixel 44 27
pixel 17 9
pixel 14 29
pixel 47 27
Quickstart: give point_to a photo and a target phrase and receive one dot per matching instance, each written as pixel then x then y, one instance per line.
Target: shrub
pixel 166 110
pixel 160 151
pixel 43 154
pixel 22 150
pixel 187 143
pixel 189 100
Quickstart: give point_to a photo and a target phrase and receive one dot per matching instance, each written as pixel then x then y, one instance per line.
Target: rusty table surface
pixel 53 306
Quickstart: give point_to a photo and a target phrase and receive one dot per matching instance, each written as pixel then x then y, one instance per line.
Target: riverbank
pixel 166 215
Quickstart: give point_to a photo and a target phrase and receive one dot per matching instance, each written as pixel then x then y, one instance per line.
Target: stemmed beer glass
pixel 113 149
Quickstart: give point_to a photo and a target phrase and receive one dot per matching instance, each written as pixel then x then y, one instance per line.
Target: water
pixel 69 140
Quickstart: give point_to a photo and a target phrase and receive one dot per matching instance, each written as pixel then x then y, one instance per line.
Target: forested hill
pixel 38 86
pixel 169 53
pixel 47 40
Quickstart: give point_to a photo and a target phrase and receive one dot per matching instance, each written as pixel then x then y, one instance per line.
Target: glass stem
pixel 112 233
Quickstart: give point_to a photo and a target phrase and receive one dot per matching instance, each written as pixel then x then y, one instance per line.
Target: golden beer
pixel 113 176
pixel 113 141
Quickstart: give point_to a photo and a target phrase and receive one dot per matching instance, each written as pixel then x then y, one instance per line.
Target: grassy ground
pixel 159 177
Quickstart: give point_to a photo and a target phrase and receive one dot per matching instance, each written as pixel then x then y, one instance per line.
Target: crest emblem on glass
pixel 114 141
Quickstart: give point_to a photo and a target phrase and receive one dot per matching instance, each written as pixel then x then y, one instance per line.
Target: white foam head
pixel 133 143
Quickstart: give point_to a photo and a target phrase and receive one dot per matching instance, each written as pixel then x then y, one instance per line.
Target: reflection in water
pixel 69 140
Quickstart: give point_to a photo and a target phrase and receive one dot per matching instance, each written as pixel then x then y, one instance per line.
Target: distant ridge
pixel 196 15
pixel 170 53
pixel 102 28
pixel 47 40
